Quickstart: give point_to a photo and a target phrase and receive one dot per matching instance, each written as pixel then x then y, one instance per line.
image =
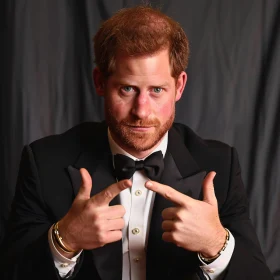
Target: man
pixel 133 197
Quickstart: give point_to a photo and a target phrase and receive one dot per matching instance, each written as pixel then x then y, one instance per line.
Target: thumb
pixel 86 185
pixel 208 189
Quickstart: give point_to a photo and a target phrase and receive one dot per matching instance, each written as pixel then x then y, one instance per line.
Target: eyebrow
pixel 127 83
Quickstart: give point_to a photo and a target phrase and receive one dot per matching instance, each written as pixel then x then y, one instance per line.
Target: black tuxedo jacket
pixel 49 179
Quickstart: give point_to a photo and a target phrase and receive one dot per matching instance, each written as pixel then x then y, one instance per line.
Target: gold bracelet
pixel 207 260
pixel 59 241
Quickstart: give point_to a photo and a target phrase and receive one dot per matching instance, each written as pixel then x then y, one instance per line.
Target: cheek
pixel 166 110
pixel 117 108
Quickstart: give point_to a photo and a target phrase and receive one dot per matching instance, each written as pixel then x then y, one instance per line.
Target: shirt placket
pixel 136 228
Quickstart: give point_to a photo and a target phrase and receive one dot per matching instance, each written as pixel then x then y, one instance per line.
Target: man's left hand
pixel 192 224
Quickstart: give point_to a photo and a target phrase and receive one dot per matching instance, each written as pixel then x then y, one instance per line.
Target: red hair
pixel 138 31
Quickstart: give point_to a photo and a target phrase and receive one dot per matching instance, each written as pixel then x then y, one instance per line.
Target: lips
pixel 138 128
pixel 141 127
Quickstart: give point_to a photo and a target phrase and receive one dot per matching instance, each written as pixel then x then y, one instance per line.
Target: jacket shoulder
pixel 69 142
pixel 210 154
pixel 190 138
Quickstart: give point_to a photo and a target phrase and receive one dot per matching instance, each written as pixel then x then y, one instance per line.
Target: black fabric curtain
pixel 232 94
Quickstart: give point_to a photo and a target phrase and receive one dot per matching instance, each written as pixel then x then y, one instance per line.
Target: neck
pixel 133 151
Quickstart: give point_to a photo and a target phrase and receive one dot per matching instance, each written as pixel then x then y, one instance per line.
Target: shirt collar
pixel 116 149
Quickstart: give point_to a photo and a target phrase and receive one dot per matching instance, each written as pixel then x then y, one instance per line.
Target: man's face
pixel 140 100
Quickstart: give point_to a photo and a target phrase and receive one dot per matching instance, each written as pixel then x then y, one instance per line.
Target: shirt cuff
pixel 216 269
pixel 63 264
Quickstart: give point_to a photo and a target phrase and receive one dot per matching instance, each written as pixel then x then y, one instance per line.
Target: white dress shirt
pixel 138 203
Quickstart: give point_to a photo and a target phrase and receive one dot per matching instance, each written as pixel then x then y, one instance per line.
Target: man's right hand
pixel 91 222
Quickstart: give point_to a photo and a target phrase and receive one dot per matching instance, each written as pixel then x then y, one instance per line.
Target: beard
pixel 122 133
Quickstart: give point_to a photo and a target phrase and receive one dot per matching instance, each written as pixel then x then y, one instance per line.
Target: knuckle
pixel 180 215
pixel 122 185
pixel 108 194
pixel 176 226
pixel 118 211
pixel 96 226
pixel 168 194
pixel 88 206
pixel 121 210
pixel 101 238
pixel 185 204
pixel 93 201
pixel 166 226
pixel 165 236
pixel 119 235
pixel 173 235
pixel 164 213
pixel 96 216
pixel 99 228
pixel 122 223
pixel 189 205
pixel 116 236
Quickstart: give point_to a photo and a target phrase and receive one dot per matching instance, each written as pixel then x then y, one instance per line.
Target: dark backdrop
pixel 233 91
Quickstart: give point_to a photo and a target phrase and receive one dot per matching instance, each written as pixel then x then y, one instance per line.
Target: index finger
pixel 169 193
pixel 108 194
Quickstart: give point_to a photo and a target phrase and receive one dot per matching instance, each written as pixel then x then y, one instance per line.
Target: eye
pixel 157 90
pixel 127 88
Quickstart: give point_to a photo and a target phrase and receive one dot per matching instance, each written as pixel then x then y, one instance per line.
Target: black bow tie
pixel 125 166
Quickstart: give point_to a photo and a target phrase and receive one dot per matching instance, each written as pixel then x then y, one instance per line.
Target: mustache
pixel 140 122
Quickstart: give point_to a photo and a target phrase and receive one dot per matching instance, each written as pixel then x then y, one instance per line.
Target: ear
pixel 180 84
pixel 98 81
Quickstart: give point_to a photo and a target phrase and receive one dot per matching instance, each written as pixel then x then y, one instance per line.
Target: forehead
pixel 154 65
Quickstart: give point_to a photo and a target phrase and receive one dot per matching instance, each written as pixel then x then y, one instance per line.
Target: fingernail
pixel 127 183
pixel 149 184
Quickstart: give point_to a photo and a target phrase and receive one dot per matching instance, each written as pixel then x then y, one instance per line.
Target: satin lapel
pixel 98 162
pixel 183 174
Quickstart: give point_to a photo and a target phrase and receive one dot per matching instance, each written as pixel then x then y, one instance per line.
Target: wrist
pixel 210 254
pixel 60 251
pixel 60 241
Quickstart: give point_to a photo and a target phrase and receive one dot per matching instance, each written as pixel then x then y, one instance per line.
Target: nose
pixel 141 106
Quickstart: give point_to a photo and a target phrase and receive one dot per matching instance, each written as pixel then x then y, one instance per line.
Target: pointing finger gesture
pixel 192 224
